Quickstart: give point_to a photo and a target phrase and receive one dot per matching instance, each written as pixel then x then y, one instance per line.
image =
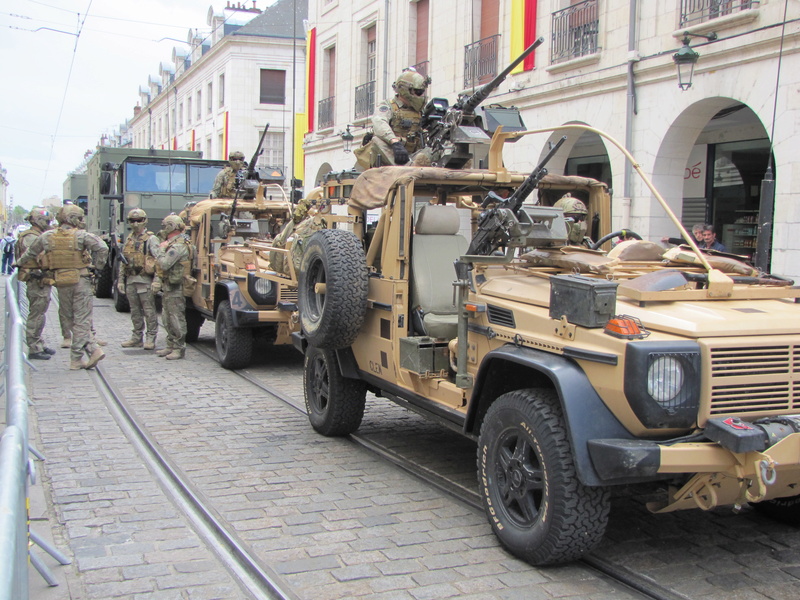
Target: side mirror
pixel 105 182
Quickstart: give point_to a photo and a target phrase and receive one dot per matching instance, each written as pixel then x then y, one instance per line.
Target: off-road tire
pixel 785 510
pixel 234 344
pixel 194 321
pixel 335 404
pixel 104 281
pixel 332 320
pixel 121 302
pixel 533 499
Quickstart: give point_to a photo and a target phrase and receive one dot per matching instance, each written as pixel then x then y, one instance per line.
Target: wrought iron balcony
pixel 480 61
pixel 325 112
pixel 365 100
pixel 575 31
pixel 700 11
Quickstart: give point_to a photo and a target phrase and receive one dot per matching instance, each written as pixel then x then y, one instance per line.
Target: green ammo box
pixel 585 301
pixel 423 354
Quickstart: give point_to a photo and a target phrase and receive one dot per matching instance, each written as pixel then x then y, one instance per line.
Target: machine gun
pixel 497 225
pixel 448 131
pixel 246 175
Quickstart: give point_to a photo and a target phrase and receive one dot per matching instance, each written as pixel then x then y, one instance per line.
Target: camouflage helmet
pixel 40 218
pixel 137 214
pixel 411 86
pixel 236 156
pixel 172 223
pixel 571 206
pixel 70 214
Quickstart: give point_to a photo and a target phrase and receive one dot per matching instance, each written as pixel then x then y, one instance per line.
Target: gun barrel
pixel 251 166
pixel 473 101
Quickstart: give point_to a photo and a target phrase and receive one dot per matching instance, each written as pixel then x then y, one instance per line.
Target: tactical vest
pixel 175 274
pixel 228 189
pixel 405 124
pixel 62 251
pixel 18 247
pixel 135 251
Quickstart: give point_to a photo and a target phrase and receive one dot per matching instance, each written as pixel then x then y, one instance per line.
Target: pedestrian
pixel 225 181
pixel 173 270
pixel 697 232
pixel 396 132
pixel 64 252
pixel 710 240
pixel 7 249
pixel 38 285
pixel 136 280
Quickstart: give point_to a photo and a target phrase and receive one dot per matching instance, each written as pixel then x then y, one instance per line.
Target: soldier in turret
pixel 225 182
pixel 396 123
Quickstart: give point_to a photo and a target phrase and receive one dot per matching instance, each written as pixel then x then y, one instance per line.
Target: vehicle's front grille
pixel 755 379
pixel 288 294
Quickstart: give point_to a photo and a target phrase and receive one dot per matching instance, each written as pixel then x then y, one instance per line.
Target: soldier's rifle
pixel 496 223
pixel 247 173
pixel 448 130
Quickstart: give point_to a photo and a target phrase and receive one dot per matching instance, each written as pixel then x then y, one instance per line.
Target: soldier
pixel 575 210
pixel 136 280
pixel 173 268
pixel 225 182
pixel 395 124
pixel 38 285
pixel 63 253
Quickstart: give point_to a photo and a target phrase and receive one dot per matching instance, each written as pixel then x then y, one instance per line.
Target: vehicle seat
pixel 436 246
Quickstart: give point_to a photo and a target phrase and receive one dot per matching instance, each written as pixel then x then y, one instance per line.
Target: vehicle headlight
pixel 662 383
pixel 262 291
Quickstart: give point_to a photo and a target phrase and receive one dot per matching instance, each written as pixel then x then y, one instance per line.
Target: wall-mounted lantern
pixel 685 59
pixel 347 139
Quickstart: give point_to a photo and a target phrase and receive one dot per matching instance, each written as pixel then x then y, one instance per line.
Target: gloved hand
pixel 155 287
pixel 121 286
pixel 400 153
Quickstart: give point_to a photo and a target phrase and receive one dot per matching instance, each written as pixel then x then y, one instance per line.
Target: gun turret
pixel 247 174
pixel 449 131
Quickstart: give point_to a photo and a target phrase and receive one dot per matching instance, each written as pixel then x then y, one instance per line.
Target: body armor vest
pixel 20 247
pixel 405 124
pixel 174 275
pixel 228 189
pixel 63 251
pixel 134 250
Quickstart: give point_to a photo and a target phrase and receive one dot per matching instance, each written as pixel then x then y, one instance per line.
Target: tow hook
pixel 765 476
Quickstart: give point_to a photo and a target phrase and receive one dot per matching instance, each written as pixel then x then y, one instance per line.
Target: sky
pixel 63 91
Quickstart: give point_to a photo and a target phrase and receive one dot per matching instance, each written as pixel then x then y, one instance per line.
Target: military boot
pixel 76 365
pixel 176 354
pixel 95 358
pixel 134 342
pixel 67 342
pixel 164 351
pixel 150 342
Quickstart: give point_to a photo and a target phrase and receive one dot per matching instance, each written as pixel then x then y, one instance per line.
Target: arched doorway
pixel 323 170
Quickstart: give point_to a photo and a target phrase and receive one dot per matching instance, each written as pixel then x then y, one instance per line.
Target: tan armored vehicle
pixel 235 286
pixel 574 370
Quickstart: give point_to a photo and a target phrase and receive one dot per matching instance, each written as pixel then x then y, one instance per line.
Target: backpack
pixel 8 247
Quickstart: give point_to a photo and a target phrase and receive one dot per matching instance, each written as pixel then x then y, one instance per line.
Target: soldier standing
pixel 64 252
pixel 173 266
pixel 395 124
pixel 225 181
pixel 38 285
pixel 136 280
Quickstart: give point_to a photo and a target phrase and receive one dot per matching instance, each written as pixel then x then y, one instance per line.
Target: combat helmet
pixel 576 211
pixel 137 214
pixel 172 223
pixel 71 215
pixel 40 218
pixel 236 155
pixel 411 86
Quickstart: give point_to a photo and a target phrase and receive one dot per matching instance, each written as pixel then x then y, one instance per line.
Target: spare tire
pixel 332 290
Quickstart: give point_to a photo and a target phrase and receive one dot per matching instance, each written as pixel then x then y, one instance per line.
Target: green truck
pixel 159 181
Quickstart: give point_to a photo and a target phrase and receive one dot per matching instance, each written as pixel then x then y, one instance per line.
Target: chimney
pixel 136 110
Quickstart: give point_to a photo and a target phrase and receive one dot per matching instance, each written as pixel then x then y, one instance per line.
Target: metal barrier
pixel 16 467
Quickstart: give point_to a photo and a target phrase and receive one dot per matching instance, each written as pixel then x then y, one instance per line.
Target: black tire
pixel 121 303
pixel 104 282
pixel 234 344
pixel 335 258
pixel 194 321
pixel 335 404
pixel 533 499
pixel 785 510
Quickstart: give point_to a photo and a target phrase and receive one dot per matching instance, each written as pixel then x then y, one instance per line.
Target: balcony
pixel 480 61
pixel 575 32
pixel 365 100
pixel 700 11
pixel 325 112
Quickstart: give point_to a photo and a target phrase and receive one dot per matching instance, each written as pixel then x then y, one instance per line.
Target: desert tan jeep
pixel 235 286
pixel 575 371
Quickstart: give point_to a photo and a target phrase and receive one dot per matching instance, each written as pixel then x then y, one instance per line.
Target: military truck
pixel 235 286
pixel 76 189
pixel 159 181
pixel 576 371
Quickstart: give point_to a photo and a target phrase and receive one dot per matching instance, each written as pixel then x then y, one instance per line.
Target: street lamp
pixel 685 59
pixel 347 139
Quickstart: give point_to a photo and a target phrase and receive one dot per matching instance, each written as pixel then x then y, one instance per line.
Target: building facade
pixel 218 94
pixel 606 64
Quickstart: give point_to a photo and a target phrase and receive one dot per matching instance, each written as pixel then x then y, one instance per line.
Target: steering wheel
pixel 623 233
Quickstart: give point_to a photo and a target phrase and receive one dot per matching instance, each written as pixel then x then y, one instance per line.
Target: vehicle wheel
pixel 194 321
pixel 121 303
pixel 332 318
pixel 335 404
pixel 533 499
pixel 234 344
pixel 104 282
pixel 785 510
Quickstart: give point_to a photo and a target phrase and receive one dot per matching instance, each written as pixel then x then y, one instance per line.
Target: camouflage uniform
pixel 63 250
pixel 225 181
pixel 37 289
pixel 173 262
pixel 140 250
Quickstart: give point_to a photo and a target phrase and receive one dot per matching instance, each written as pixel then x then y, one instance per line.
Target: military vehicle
pixel 574 370
pixel 76 190
pixel 235 286
pixel 159 181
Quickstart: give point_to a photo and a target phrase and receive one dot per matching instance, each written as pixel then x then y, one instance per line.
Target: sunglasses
pixel 135 220
pixel 418 91
pixel 577 218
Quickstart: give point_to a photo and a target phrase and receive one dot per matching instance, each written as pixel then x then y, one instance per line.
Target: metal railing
pixel 480 61
pixel 575 31
pixel 365 100
pixel 325 112
pixel 699 11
